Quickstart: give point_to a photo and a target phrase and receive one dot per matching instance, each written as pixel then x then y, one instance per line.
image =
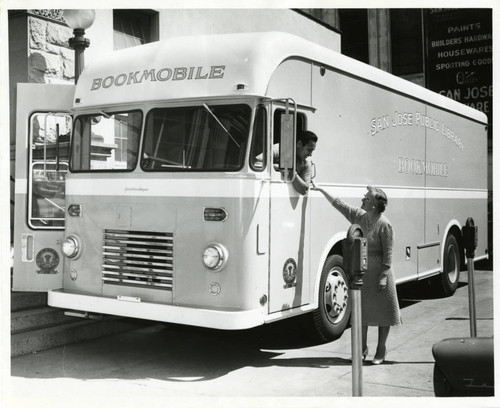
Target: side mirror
pixel 287 144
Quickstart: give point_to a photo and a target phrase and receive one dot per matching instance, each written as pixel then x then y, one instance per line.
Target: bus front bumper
pixel 215 319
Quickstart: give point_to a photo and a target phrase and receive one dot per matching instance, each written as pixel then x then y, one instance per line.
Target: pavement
pixel 179 366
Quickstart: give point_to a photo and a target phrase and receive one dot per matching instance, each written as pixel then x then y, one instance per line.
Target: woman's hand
pixel 382 283
pixel 315 187
pixel 382 280
pixel 329 197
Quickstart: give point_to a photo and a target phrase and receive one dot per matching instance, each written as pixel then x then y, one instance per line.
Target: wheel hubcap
pixel 335 296
pixel 452 266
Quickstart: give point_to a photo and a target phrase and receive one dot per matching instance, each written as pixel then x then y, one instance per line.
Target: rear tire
pixel 328 322
pixel 447 282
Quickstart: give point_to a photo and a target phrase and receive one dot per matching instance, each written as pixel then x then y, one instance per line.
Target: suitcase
pixel 464 367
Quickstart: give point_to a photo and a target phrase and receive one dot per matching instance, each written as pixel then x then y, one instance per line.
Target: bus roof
pixel 221 65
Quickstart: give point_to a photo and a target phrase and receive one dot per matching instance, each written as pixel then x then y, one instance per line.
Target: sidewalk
pixel 130 368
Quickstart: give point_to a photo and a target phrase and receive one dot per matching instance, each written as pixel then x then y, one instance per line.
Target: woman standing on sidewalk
pixel 379 302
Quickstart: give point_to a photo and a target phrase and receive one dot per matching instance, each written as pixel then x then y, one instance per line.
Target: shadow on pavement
pixel 174 353
pixel 181 353
pixel 414 292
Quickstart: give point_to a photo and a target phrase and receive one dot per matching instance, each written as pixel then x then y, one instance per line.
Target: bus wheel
pixel 447 282
pixel 334 309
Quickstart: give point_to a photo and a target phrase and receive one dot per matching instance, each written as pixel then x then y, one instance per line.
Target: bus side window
pixel 258 151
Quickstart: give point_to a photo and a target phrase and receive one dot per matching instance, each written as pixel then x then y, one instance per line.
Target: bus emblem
pixel 47 260
pixel 290 273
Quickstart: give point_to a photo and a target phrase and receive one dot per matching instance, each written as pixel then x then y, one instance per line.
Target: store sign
pixel 459 55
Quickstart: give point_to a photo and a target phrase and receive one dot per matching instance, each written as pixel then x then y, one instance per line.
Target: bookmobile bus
pixel 149 191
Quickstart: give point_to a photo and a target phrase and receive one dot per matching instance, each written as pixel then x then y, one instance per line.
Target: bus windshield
pixel 196 138
pixel 106 141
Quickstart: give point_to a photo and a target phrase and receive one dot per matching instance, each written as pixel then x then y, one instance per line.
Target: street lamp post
pixel 79 21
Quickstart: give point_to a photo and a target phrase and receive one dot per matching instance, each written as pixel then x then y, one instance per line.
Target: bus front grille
pixel 138 258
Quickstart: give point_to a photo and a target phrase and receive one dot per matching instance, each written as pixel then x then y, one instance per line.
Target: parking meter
pixel 469 233
pixel 355 253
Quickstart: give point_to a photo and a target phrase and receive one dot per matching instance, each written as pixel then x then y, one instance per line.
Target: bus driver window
pixel 258 161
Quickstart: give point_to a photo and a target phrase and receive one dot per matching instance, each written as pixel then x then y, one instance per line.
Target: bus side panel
pixel 292 79
pixel 365 132
pixel 456 177
pixel 290 268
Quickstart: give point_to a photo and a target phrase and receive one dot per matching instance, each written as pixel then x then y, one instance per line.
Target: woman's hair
pixel 380 196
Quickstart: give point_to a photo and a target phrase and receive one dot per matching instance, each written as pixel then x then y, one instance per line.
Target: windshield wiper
pixel 220 123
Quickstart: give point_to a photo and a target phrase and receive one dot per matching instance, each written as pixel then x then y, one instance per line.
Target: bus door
pixel 43 126
pixel 289 285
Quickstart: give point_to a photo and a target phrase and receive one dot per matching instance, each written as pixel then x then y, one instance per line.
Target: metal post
pixel 357 362
pixel 472 297
pixel 469 233
pixel 355 252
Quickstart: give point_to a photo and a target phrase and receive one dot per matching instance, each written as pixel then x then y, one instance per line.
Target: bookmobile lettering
pixel 399 119
pixel 422 167
pixel 162 74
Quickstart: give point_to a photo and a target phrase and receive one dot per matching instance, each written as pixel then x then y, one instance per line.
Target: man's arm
pixel 303 178
pixel 300 185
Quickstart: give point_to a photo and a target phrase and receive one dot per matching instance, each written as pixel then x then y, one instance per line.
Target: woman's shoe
pixel 363 354
pixel 378 361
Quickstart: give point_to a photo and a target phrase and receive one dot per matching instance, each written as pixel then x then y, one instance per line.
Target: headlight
pixel 215 256
pixel 71 246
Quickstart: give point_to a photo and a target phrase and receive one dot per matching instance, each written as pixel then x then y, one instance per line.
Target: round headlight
pixel 214 256
pixel 71 246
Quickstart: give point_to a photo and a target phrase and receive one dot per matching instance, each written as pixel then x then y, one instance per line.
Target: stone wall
pixel 50 60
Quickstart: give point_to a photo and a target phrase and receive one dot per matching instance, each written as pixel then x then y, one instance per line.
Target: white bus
pixel 158 208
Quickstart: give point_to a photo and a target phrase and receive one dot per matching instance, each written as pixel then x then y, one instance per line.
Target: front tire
pixel 334 307
pixel 447 282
